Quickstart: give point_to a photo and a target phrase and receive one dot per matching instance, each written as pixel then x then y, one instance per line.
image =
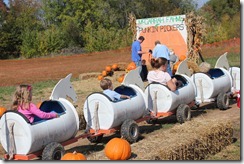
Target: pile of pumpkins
pixel 109 71
pixel 115 149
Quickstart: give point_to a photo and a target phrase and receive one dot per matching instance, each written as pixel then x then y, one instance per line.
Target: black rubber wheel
pixel 183 113
pixel 223 101
pixel 95 139
pixel 130 131
pixel 53 151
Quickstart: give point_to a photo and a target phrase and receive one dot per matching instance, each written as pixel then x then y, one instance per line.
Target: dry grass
pixel 193 140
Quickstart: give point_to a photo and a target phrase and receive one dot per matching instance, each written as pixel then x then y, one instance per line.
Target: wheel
pixel 53 151
pixel 183 113
pixel 223 101
pixel 130 130
pixel 95 139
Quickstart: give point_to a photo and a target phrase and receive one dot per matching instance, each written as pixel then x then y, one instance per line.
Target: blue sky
pixel 201 2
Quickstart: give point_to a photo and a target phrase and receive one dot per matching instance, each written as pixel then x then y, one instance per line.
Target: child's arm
pixel 34 110
pixel 124 97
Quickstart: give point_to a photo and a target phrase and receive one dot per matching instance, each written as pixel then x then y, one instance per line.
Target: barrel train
pixel 47 138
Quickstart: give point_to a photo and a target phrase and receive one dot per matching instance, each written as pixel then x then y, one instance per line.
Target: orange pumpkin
pixel 104 73
pixel 131 66
pixel 100 77
pixel 118 149
pixel 108 68
pixel 175 67
pixel 121 78
pixel 73 156
pixel 115 67
pixel 2 110
pixel 182 57
pixel 38 105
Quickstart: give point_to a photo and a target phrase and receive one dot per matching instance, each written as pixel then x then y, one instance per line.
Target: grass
pixel 6 93
pixel 233 58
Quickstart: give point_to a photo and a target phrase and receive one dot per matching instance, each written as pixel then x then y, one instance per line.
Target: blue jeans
pixel 169 69
pixel 138 63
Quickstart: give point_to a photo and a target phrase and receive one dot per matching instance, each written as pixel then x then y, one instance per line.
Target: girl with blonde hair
pixel 22 102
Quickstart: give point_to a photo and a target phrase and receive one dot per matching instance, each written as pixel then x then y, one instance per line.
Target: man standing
pixel 136 52
pixel 161 50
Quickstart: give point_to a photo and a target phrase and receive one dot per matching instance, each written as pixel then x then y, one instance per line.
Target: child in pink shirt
pixel 22 102
pixel 160 74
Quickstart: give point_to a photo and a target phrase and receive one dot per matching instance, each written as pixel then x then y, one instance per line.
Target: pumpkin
pixel 175 67
pixel 100 77
pixel 104 73
pixel 182 57
pixel 118 149
pixel 2 110
pixel 115 67
pixel 121 78
pixel 38 105
pixel 73 156
pixel 131 66
pixel 108 68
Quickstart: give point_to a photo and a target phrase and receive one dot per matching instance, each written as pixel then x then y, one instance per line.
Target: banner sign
pixel 170 31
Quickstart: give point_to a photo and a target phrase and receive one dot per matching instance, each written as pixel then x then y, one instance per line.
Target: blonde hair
pixel 22 97
pixel 105 83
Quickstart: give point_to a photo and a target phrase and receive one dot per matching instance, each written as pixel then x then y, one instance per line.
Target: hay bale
pixel 204 67
pixel 85 76
pixel 193 140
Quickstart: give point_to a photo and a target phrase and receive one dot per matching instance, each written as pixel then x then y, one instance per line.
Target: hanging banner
pixel 170 31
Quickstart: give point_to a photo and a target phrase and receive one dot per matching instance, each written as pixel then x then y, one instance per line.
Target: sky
pixel 200 3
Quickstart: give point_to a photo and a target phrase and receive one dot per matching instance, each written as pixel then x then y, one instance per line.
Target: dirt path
pixel 14 72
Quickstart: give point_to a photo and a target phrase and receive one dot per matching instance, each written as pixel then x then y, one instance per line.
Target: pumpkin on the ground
pixel 73 156
pixel 38 105
pixel 121 78
pixel 118 149
pixel 100 77
pixel 182 57
pixel 131 66
pixel 104 73
pixel 2 110
pixel 175 67
pixel 108 68
pixel 115 67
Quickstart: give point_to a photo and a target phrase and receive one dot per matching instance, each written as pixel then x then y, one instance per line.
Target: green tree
pixel 218 15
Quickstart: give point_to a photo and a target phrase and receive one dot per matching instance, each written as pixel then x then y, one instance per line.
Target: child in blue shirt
pixel 107 86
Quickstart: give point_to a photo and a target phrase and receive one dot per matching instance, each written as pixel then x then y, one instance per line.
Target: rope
pixel 201 90
pixel 155 109
pixel 96 121
pixel 12 149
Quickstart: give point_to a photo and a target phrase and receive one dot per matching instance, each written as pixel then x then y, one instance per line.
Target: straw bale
pixel 193 140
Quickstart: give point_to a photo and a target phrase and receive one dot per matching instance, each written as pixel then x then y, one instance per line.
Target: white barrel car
pixel 104 116
pixel 20 138
pixel 163 102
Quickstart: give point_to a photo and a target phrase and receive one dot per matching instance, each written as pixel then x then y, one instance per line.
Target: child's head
pixel 143 62
pixel 106 84
pixel 22 96
pixel 159 63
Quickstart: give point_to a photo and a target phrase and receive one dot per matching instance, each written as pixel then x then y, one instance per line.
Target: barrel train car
pixel 23 140
pixel 104 116
pixel 161 101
